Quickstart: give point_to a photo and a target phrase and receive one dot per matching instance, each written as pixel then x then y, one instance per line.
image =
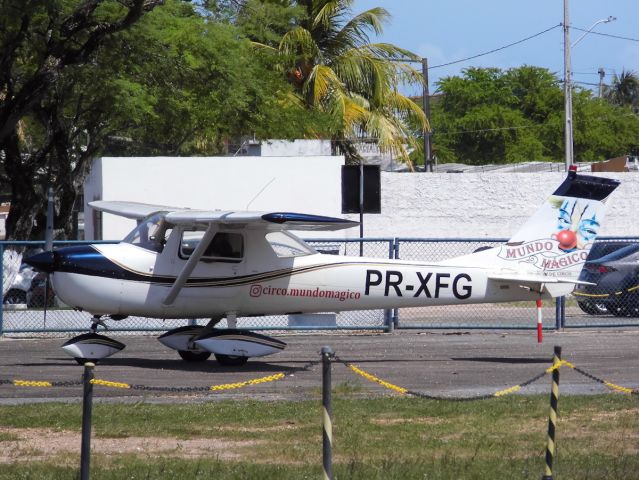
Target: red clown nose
pixel 567 239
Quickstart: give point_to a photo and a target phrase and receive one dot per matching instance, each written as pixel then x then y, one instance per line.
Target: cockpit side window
pixel 224 247
pixel 286 245
pixel 151 233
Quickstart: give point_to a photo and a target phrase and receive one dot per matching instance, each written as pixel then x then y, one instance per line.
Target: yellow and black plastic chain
pixel 351 366
pixel 122 385
pixel 212 388
pixel 39 383
pixel 500 393
pixel 610 385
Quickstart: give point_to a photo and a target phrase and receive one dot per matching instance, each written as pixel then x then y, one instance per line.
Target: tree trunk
pixel 24 193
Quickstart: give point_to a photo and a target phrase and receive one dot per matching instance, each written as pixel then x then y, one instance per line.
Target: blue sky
pixel 446 31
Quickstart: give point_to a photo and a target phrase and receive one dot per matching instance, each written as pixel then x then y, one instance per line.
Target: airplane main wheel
pixel 230 360
pixel 189 356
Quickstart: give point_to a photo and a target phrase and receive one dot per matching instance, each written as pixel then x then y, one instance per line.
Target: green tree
pixel 488 115
pixel 602 131
pixel 174 83
pixel 328 58
pixel 624 90
pixel 40 41
pixel 189 85
pixel 267 21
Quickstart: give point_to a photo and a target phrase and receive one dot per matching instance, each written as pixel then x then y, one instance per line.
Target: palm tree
pixel 624 90
pixel 334 68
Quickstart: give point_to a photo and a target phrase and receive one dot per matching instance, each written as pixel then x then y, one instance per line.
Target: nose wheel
pixel 92 347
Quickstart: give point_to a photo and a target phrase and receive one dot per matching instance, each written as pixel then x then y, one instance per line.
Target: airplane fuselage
pixel 128 280
pixel 186 263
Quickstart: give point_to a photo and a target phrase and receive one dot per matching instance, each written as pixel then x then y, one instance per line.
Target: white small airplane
pixel 183 263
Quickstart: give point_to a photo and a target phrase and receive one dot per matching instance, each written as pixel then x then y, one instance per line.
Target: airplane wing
pixel 248 219
pixel 134 210
pixel 259 220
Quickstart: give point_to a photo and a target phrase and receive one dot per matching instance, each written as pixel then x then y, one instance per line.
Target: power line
pixel 586 83
pixel 590 83
pixel 585 73
pixel 607 35
pixel 497 49
pixel 489 130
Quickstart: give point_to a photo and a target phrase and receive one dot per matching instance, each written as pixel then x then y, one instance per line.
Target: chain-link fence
pixel 489 315
pixel 613 265
pixel 613 299
pixel 30 305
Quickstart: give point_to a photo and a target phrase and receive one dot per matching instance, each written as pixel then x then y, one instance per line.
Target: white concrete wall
pixel 307 185
pixel 430 205
pixel 483 205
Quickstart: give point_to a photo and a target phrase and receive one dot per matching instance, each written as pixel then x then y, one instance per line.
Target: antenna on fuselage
pixel 260 192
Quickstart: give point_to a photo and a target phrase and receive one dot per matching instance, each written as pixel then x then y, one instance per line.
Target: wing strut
pixel 190 265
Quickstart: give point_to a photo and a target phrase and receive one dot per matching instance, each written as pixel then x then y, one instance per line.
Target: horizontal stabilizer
pixel 529 278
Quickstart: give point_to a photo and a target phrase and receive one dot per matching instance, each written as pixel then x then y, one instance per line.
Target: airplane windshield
pixel 286 245
pixel 151 233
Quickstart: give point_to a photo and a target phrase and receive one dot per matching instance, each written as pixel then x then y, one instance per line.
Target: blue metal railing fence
pixel 569 312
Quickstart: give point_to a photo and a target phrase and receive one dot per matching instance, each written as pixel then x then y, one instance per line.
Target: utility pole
pixel 570 154
pixel 602 74
pixel 567 90
pixel 428 148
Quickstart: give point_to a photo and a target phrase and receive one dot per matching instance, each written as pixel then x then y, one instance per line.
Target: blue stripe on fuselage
pixel 86 260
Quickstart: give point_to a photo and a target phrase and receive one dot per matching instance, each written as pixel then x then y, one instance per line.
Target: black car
pixel 604 247
pixel 40 292
pixel 616 279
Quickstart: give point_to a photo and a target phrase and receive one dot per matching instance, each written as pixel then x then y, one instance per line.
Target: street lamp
pixel 568 81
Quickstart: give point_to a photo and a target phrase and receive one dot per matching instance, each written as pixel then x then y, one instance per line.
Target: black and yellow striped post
pixel 327 414
pixel 87 409
pixel 552 418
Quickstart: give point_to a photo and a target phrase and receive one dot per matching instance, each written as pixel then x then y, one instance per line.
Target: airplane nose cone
pixel 45 261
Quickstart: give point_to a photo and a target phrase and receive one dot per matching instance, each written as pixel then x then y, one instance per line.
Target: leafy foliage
pixel 327 56
pixel 44 46
pixel 174 82
pixel 624 90
pixel 493 116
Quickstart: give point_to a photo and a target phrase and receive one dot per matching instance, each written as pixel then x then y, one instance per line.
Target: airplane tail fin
pixel 550 249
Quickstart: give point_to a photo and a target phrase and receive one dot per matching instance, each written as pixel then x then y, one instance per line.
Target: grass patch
pixel 391 437
pixel 8 437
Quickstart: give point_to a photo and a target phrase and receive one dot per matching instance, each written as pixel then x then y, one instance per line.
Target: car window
pixel 621 253
pixel 601 248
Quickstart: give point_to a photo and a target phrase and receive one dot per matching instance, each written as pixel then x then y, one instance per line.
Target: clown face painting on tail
pixel 557 239
pixel 553 245
pixel 577 224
